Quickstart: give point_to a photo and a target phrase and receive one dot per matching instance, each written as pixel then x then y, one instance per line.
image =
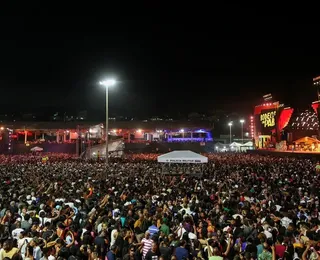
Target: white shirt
pixel 268 234
pixel 181 231
pixel 37 253
pixel 70 204
pixel 22 245
pixel 99 228
pixel 113 236
pixel 16 232
pixel 278 207
pixel 83 231
pixel 44 220
pixel 187 210
pixel 68 240
pixel 285 222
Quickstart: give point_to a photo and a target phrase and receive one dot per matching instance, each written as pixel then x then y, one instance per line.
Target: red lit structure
pixel 270 118
pixel 252 130
pixel 130 131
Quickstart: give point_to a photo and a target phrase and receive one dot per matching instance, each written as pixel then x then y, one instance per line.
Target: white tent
pixel 235 144
pixel 235 147
pixel 182 157
pixel 249 144
pixel 36 149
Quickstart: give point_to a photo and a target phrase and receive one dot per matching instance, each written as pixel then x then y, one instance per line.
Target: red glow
pixel 28 133
pixel 284 118
pixel 315 107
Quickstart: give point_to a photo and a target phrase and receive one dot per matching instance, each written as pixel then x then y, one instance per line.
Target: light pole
pixel 242 121
pixel 107 83
pixel 230 125
pixel 182 131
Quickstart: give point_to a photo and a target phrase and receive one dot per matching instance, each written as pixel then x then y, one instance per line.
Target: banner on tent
pixel 183 161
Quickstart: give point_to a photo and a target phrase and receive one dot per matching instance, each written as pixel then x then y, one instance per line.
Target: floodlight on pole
pixel 107 83
pixel 242 122
pixel 230 125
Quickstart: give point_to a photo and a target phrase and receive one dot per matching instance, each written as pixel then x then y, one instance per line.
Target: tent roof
pixel 36 148
pixel 250 143
pixel 307 139
pixel 235 144
pixel 182 157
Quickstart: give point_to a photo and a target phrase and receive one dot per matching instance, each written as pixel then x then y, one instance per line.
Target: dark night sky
pixel 165 63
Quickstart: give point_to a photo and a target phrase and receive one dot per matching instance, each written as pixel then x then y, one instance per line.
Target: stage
pixel 299 154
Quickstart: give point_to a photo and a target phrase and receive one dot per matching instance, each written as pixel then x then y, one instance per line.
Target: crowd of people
pixel 242 207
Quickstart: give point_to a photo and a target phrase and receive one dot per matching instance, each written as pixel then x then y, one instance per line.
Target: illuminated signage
pixel 268 119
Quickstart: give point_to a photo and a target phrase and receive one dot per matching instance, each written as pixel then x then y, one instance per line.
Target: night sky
pixel 165 63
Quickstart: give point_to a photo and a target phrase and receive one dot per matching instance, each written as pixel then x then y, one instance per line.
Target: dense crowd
pixel 242 207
